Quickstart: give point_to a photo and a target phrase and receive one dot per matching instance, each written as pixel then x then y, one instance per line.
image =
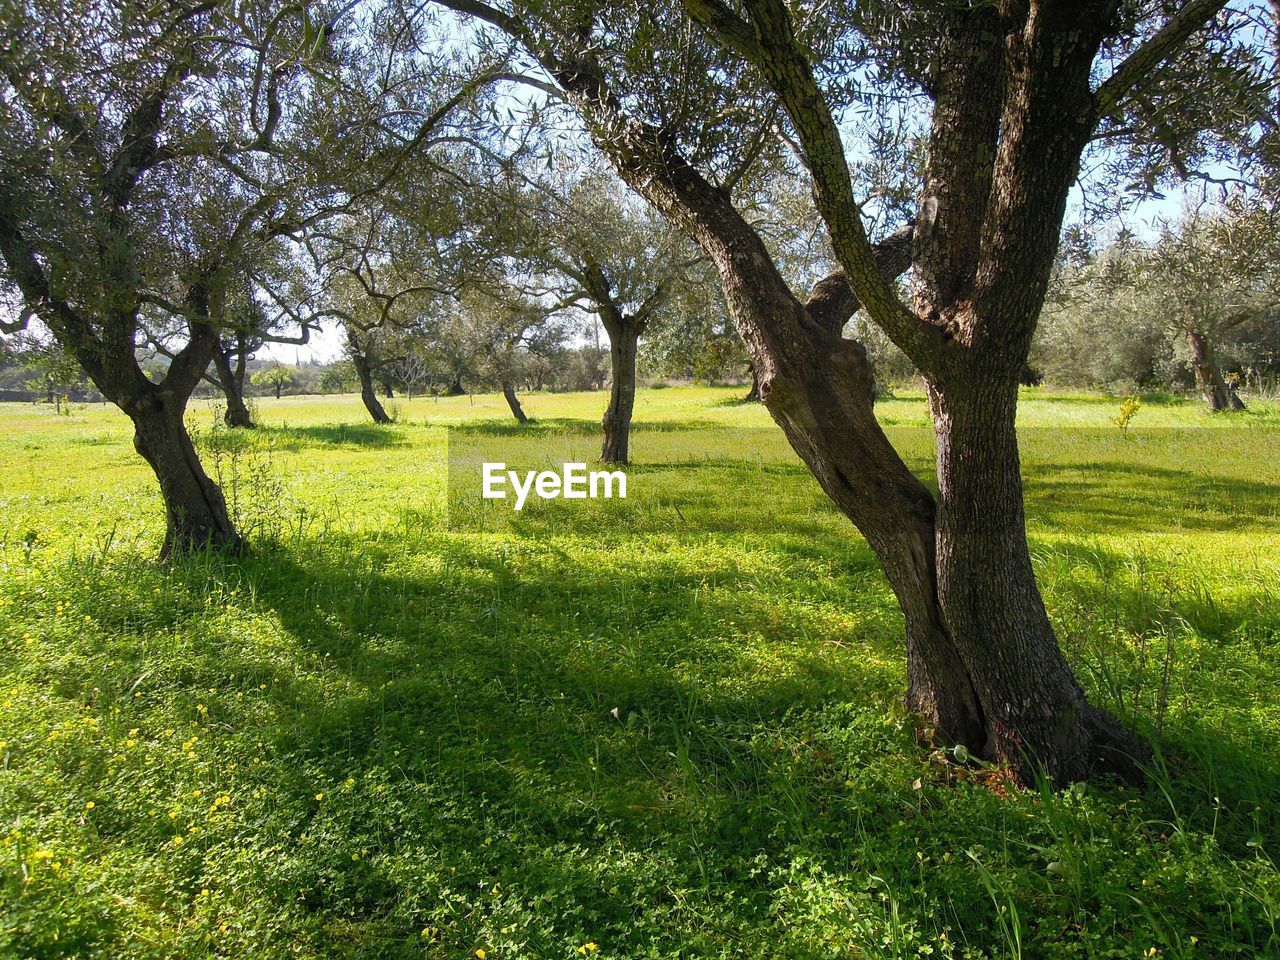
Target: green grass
pixel 668 727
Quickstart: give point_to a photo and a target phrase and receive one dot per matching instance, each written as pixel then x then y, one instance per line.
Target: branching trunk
pixel 1220 395
pixel 983 671
pixel 1014 107
pixel 509 392
pixel 367 391
pixel 623 346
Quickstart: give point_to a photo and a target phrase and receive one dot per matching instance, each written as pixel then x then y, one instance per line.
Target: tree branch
pixel 1153 52
pixel 832 302
pixel 786 68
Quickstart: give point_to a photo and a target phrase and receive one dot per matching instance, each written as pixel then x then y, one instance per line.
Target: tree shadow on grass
pixel 372 436
pixel 640 747
pixel 1133 498
pixel 590 716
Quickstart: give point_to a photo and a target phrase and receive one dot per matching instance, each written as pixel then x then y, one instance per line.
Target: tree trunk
pixel 390 390
pixel 455 388
pixel 509 391
pixel 367 391
pixel 753 395
pixel 983 666
pixel 1216 391
pixel 195 511
pixel 237 413
pixel 1034 710
pixel 623 342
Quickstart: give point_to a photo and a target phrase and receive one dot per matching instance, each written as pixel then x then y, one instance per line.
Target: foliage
pixel 1122 318
pixel 275 376
pixel 1124 418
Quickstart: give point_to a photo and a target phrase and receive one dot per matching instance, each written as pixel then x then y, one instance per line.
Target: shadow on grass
pixel 632 711
pixel 648 743
pixel 372 436
pixel 1139 498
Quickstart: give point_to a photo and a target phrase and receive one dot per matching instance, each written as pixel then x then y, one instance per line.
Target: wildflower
pixel 587 948
pixel 90 805
pixel 480 954
pixel 319 796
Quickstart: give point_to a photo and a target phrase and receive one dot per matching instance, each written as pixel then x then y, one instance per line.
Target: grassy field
pixel 664 727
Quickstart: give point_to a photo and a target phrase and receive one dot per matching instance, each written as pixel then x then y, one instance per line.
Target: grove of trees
pixel 819 190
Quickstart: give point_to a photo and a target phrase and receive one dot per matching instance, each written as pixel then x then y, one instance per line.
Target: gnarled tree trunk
pixel 368 393
pixel 1014 106
pixel 624 340
pixel 195 510
pixel 1220 395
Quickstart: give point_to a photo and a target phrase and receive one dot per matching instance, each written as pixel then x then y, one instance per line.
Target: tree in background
pixel 615 258
pixel 337 376
pixel 1212 274
pixel 275 376
pixel 1154 315
pixel 506 330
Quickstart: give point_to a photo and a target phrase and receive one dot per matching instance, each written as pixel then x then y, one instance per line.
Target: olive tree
pixel 1010 95
pixel 1211 273
pixel 149 153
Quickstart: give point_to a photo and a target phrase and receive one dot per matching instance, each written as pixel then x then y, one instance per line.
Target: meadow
pixel 655 728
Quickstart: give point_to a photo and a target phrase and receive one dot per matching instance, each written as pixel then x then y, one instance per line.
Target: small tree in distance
pixel 275 376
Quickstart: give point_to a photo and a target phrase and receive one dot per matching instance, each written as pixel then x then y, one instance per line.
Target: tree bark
pixel 1034 710
pixel 368 393
pixel 231 380
pixel 753 395
pixel 1213 387
pixel 195 511
pixel 624 340
pixel 509 392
